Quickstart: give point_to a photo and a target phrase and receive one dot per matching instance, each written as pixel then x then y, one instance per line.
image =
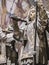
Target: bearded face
pixel 32 14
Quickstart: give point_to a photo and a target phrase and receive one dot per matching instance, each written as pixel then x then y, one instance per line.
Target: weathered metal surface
pixel 3 53
pixel 46 4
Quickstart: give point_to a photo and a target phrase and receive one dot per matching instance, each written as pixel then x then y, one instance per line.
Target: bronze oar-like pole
pixel 35 33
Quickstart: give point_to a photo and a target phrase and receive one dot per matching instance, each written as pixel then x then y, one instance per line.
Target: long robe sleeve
pixel 42 22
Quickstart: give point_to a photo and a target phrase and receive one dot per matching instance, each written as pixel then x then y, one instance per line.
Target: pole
pixel 35 33
pixel 3 15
